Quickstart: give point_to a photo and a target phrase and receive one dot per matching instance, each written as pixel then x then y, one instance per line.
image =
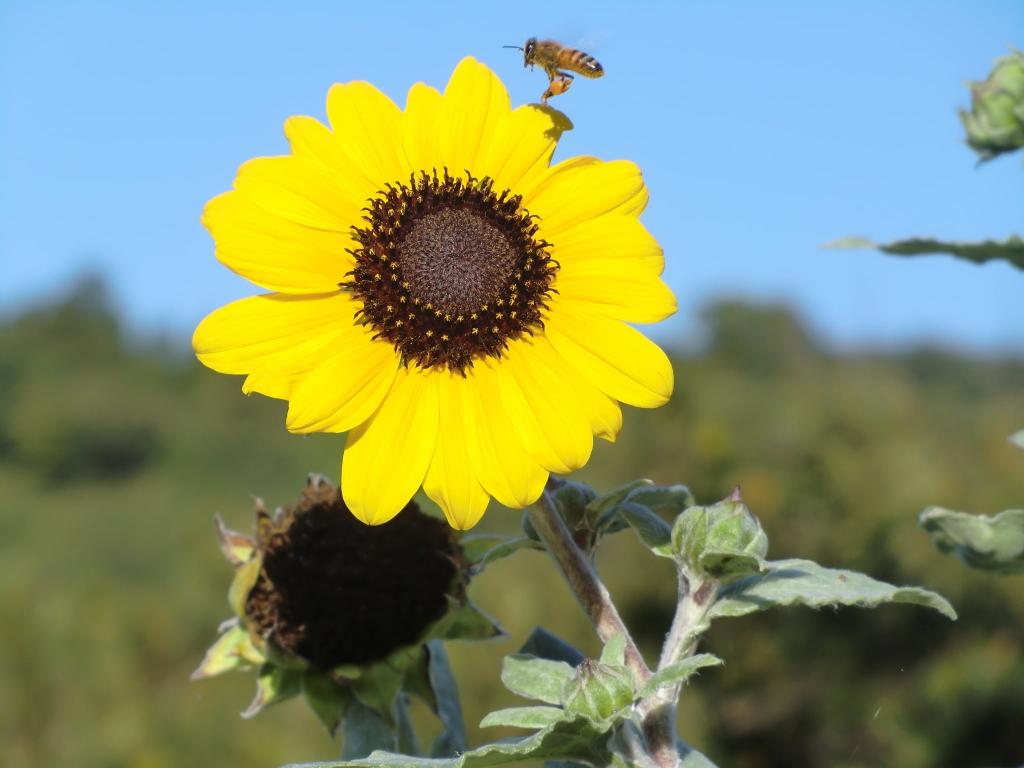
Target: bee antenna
pixel 517 47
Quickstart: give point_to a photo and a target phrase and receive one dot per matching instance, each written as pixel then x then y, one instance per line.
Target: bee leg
pixel 557 86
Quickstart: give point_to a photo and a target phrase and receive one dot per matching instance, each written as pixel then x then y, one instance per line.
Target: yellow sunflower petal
pixel 299 190
pixel 545 414
pixel 278 334
pixel 611 264
pixel 602 412
pixel 585 188
pixel 520 150
pixel 312 140
pixel 346 388
pixel 368 127
pixel 386 457
pixel 475 102
pixel 421 125
pixel 496 455
pixel 450 480
pixel 279 374
pixel 612 356
pixel 273 252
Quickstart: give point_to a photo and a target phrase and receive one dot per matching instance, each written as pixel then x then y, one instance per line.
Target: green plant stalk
pixel 658 720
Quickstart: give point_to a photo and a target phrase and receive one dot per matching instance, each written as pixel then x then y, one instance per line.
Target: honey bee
pixel 559 62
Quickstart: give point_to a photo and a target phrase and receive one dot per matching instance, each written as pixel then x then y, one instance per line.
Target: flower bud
pixel 721 541
pixel 995 123
pixel 598 691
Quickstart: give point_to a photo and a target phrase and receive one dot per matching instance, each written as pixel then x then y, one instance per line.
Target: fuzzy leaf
pixel 524 717
pixel 566 740
pixel 273 685
pixel 546 645
pixel 614 651
pixel 679 672
pixel 1010 250
pixel 802 582
pixel 535 678
pixel 989 543
pixel 654 532
pixel 452 739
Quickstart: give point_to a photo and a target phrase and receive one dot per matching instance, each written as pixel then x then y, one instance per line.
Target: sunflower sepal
pixel 273 685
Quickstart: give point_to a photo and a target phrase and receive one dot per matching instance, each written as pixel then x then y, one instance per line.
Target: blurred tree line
pixel 115 452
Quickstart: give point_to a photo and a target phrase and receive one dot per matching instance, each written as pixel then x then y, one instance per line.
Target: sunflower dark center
pixel 448 271
pixel 456 259
pixel 335 591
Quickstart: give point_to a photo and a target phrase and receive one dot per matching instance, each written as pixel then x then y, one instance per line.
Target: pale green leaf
pixel 535 678
pixel 679 672
pixel 989 543
pixel 1017 438
pixel 566 740
pixel 524 717
pixel 1010 250
pixel 614 651
pixel 802 582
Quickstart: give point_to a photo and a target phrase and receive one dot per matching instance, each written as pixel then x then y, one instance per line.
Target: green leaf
pixel 326 698
pixel 1010 250
pixel 524 717
pixel 614 651
pixel 679 672
pixel 467 622
pixel 546 645
pixel 483 549
pixel 452 739
pixel 664 500
pixel 654 532
pixel 988 543
pixel 535 678
pixel 802 582
pixel 725 564
pixel 273 685
pixel 572 740
pixel 365 731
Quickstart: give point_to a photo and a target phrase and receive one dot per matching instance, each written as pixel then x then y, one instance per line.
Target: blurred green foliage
pixel 116 452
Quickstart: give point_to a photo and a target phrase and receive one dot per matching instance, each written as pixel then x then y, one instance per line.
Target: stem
pixel 583 580
pixel 658 720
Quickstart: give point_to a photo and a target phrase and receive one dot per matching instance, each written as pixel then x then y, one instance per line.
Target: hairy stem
pixel 583 580
pixel 658 721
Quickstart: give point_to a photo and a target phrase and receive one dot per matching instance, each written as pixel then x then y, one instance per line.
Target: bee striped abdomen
pixel 580 62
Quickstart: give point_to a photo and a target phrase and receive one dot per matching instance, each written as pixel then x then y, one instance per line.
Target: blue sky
pixel 764 130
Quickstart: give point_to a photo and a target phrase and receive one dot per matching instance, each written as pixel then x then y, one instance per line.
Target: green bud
pixel 598 691
pixel 722 541
pixel 995 123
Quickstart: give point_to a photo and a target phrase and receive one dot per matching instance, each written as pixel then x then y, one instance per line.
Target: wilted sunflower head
pixel 442 293
pixel 316 592
pixel 334 591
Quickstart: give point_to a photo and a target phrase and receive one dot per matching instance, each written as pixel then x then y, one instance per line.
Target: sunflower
pixel 442 293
